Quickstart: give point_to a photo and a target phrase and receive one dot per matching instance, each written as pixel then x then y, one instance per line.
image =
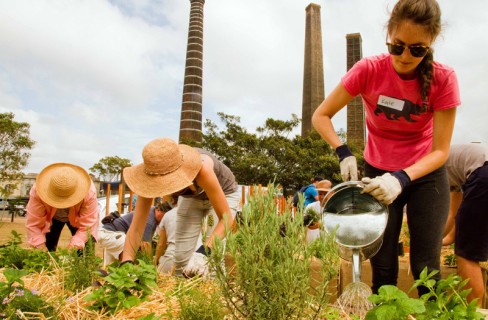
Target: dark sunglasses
pixel 415 51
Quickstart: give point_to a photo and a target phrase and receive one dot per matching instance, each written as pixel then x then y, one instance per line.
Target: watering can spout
pixel 356 266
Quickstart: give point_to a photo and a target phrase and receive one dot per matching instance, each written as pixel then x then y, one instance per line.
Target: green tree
pixel 272 153
pixel 15 144
pixel 110 168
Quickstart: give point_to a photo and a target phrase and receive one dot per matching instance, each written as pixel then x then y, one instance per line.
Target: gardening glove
pixel 347 162
pixel 387 187
pixel 198 264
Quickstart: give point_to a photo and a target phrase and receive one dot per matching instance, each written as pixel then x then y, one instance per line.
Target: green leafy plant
pixel 393 303
pixel 445 300
pixel 269 274
pixel 81 267
pixel 17 298
pixel 125 286
pixel 311 217
pixel 13 255
pixel 38 260
pixel 450 260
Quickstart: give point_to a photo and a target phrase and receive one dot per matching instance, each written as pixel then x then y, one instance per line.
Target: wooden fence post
pixel 107 199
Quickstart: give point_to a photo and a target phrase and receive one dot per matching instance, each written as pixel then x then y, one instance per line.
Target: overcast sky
pixel 98 78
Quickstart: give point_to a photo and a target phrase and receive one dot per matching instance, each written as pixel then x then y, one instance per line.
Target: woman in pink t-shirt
pixel 410 104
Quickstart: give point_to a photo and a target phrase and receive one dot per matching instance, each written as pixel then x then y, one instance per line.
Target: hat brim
pixel 45 192
pixel 151 186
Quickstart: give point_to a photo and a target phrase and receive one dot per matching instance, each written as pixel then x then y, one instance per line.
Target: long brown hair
pixel 428 14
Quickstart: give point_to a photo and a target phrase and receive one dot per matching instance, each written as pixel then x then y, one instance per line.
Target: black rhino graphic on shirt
pixel 409 108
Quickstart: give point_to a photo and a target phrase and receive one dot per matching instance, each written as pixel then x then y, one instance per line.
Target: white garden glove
pixel 347 163
pixel 387 187
pixel 198 264
pixel 349 169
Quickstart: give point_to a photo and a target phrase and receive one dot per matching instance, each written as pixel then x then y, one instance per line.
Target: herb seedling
pixel 125 286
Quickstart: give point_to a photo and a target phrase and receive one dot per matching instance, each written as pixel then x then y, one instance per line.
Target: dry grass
pixel 71 306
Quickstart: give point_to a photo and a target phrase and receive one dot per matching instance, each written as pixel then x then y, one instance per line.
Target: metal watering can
pixel 358 220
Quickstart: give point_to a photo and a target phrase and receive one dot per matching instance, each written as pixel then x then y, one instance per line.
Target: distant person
pixel 111 235
pixel 309 193
pixel 63 194
pixel 467 224
pixel 323 188
pixel 164 257
pixel 204 185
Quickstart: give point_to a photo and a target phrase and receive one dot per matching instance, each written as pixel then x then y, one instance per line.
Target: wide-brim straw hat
pixel 168 167
pixel 62 185
pixel 324 185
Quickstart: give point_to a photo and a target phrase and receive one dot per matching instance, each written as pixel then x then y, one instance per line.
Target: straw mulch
pixel 49 285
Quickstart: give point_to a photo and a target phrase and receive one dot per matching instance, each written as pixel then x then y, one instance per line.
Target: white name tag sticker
pixel 391 102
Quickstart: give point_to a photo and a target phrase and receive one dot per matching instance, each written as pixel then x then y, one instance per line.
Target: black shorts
pixel 472 217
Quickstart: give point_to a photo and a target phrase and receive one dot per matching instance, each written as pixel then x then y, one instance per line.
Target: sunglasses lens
pixel 395 49
pixel 418 51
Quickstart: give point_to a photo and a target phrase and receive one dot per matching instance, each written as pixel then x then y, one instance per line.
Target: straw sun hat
pixel 168 167
pixel 324 185
pixel 62 185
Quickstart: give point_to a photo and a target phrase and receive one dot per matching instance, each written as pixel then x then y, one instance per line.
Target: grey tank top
pixel 463 160
pixel 225 176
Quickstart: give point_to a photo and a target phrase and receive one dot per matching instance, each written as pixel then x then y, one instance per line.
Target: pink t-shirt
pixel 399 134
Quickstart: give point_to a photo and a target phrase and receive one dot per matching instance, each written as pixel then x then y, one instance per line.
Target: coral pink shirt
pixel 399 134
pixel 84 216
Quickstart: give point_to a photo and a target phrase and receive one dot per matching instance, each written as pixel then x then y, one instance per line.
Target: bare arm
pixel 207 179
pixel 322 117
pixel 450 227
pixel 443 127
pixel 88 219
pixel 136 229
pixel 146 248
pixel 162 245
pixel 36 219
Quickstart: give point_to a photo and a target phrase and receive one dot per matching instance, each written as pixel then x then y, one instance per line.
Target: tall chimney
pixel 313 72
pixel 191 109
pixel 356 133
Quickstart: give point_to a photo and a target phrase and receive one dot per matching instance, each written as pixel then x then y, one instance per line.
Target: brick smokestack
pixel 191 109
pixel 356 133
pixel 313 71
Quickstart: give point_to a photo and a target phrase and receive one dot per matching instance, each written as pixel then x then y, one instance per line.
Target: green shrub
pixel 81 267
pixel 270 276
pixel 12 255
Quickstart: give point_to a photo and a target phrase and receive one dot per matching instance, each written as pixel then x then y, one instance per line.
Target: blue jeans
pixel 189 225
pixel 427 207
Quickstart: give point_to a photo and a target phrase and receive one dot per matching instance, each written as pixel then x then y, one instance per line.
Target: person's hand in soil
pixel 198 264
